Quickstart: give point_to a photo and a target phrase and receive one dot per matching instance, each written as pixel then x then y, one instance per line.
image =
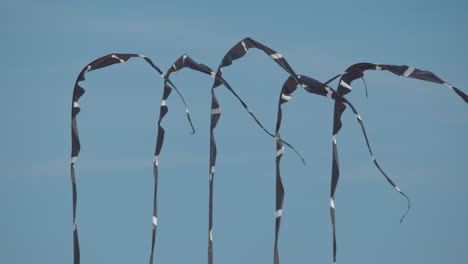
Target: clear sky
pixel 418 131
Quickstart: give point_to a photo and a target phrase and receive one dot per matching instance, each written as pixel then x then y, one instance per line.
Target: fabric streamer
pixel 316 87
pixel 78 91
pixel 236 52
pixel 354 72
pixel 183 62
pixel 311 85
pixel 186 62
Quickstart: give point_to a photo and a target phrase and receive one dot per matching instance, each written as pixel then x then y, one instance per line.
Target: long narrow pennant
pixel 309 84
pixel 352 73
pixel 313 86
pixel 187 62
pixel 182 62
pixel 236 52
pixel 344 87
pixel 78 91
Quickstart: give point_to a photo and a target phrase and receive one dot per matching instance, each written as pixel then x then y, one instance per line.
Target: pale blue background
pixel 418 131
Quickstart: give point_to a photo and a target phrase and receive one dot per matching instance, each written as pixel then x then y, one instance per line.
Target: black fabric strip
pixel 159 143
pixel 352 73
pixel 312 86
pixel 186 61
pixel 78 91
pixel 239 50
pixel 183 62
pixel 236 52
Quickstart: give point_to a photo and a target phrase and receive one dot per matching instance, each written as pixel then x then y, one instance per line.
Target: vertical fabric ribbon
pixel 313 86
pixel 239 50
pixel 354 72
pixel 78 91
pixel 187 62
pixel 236 52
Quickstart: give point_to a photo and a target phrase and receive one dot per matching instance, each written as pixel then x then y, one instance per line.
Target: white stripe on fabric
pixel 216 111
pixel 345 85
pixel 280 151
pixel 448 85
pixel 329 92
pixel 243 45
pixel 286 97
pixel 276 56
pixel 408 71
pixel 279 213
pixel 115 57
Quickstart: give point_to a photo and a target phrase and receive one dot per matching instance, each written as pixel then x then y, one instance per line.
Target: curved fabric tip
pixel 461 94
pixel 407 209
pixel 344 87
pixel 365 86
pixel 78 91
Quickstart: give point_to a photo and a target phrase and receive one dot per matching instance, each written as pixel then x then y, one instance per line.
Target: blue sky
pixel 418 131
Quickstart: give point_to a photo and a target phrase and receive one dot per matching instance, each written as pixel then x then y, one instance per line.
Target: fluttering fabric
pixel 289 87
pixel 183 62
pixel 78 91
pixel 354 72
pixel 309 84
pixel 236 52
pixel 187 62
